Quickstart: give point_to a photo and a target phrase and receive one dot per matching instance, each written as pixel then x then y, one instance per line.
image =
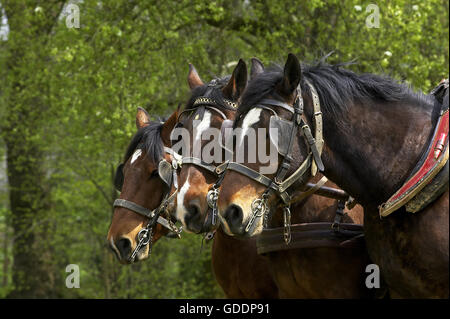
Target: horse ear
pixel 193 78
pixel 256 68
pixel 168 126
pixel 142 118
pixel 292 75
pixel 237 82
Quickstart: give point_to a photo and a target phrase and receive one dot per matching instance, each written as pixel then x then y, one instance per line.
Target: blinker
pixel 165 172
pixel 282 128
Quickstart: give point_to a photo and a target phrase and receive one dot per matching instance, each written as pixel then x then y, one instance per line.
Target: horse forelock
pixel 150 137
pixel 215 93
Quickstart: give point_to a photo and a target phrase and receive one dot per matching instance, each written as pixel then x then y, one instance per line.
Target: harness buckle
pixel 212 197
pixel 259 208
pixel 174 163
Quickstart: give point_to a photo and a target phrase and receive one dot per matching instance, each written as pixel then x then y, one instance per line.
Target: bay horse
pixel 141 184
pixel 143 189
pixel 239 278
pixel 374 132
pixel 319 272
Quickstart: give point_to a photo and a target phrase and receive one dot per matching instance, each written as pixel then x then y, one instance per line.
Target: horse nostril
pixel 234 215
pixel 193 211
pixel 124 247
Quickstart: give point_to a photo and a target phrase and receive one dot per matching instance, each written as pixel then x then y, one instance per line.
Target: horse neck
pixel 375 148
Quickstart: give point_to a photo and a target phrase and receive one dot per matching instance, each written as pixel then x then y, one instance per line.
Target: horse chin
pixel 191 227
pixel 241 232
pixel 141 256
pixel 255 230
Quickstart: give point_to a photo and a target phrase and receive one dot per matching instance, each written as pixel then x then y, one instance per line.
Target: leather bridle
pixel 279 185
pixel 154 216
pixel 213 194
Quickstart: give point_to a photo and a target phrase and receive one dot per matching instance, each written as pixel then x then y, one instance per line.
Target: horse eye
pixel 153 174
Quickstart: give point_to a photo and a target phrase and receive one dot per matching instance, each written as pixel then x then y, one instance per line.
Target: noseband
pixel 279 184
pixel 167 172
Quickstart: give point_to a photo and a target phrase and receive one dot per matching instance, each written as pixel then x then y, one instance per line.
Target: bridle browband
pixel 145 234
pixel 279 184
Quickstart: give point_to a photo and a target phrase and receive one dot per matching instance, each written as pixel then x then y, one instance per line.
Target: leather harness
pixel 213 194
pixel 167 172
pixel 335 232
pixel 279 184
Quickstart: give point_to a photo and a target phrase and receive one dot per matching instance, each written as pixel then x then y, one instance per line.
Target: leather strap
pixel 147 212
pixel 318 125
pixel 134 207
pixel 310 191
pixel 277 103
pixel 311 235
pixel 199 162
pixel 294 177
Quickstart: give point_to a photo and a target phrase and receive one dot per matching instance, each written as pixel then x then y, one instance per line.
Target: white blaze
pixel 202 126
pixel 136 154
pixel 181 210
pixel 199 128
pixel 252 117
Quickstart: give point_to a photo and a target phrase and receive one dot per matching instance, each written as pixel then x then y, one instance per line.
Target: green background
pixel 68 98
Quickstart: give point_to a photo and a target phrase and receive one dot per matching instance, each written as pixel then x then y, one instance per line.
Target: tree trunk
pixel 28 202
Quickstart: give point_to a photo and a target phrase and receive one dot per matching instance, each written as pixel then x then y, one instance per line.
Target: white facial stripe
pixel 136 154
pixel 252 117
pixel 202 126
pixel 180 200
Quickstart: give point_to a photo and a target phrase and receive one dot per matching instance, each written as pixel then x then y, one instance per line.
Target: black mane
pixel 337 88
pixel 150 137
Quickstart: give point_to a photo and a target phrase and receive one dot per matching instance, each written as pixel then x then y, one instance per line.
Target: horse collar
pixel 429 179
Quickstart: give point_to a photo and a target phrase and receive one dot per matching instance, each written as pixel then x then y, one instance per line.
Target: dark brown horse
pixel 375 131
pixel 141 185
pixel 321 272
pixel 325 272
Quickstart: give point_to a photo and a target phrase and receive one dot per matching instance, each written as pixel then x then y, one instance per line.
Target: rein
pixel 167 172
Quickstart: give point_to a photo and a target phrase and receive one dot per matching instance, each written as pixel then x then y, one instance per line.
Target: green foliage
pixel 68 98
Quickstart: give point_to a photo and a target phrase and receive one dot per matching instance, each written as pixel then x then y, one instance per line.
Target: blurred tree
pixel 25 95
